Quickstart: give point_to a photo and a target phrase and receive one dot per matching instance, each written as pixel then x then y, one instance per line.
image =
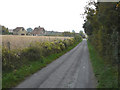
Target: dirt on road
pixel 72 70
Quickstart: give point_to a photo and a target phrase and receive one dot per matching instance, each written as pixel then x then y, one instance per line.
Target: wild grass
pixel 106 74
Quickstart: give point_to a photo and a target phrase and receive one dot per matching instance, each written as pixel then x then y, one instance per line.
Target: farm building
pixel 19 31
pixel 38 31
pixel 52 33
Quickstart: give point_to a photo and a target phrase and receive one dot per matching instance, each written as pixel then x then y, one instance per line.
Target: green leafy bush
pixel 10 59
pixel 32 53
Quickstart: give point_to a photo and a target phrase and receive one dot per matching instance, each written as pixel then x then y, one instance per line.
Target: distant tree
pixel 73 31
pixel 29 30
pixel 67 34
pixel 82 34
pixel 4 30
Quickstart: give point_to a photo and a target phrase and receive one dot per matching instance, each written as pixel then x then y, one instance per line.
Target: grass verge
pixel 107 75
pixel 12 79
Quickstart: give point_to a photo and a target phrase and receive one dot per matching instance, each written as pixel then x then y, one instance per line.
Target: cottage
pixel 38 31
pixel 19 31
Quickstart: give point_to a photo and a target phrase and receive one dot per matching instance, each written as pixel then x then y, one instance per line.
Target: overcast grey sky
pixel 57 15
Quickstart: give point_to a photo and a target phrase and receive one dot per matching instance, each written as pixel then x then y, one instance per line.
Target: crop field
pixel 16 42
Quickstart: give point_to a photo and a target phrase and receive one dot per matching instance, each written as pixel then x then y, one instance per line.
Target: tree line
pixel 4 30
pixel 102 25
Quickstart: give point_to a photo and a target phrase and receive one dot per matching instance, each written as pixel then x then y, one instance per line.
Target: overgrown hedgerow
pixel 14 59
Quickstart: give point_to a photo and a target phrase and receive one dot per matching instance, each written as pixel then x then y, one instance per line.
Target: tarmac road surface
pixel 72 70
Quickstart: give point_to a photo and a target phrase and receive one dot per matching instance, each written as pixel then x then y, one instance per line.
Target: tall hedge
pixel 102 26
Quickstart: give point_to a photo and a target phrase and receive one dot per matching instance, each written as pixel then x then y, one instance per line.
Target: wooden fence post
pixel 8 45
pixel 49 38
pixel 2 44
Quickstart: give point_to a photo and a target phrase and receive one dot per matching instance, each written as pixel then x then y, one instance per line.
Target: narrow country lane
pixel 72 70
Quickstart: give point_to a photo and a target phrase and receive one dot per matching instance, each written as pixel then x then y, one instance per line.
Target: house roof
pixel 38 30
pixel 18 28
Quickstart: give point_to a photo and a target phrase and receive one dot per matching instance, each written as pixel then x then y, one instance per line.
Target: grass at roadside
pixel 107 75
pixel 13 78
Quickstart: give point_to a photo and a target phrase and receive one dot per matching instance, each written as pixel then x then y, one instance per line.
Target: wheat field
pixel 17 42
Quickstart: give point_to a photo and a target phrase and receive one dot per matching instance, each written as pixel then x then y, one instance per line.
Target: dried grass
pixel 17 41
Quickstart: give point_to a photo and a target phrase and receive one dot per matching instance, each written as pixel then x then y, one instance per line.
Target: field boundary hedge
pixel 18 64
